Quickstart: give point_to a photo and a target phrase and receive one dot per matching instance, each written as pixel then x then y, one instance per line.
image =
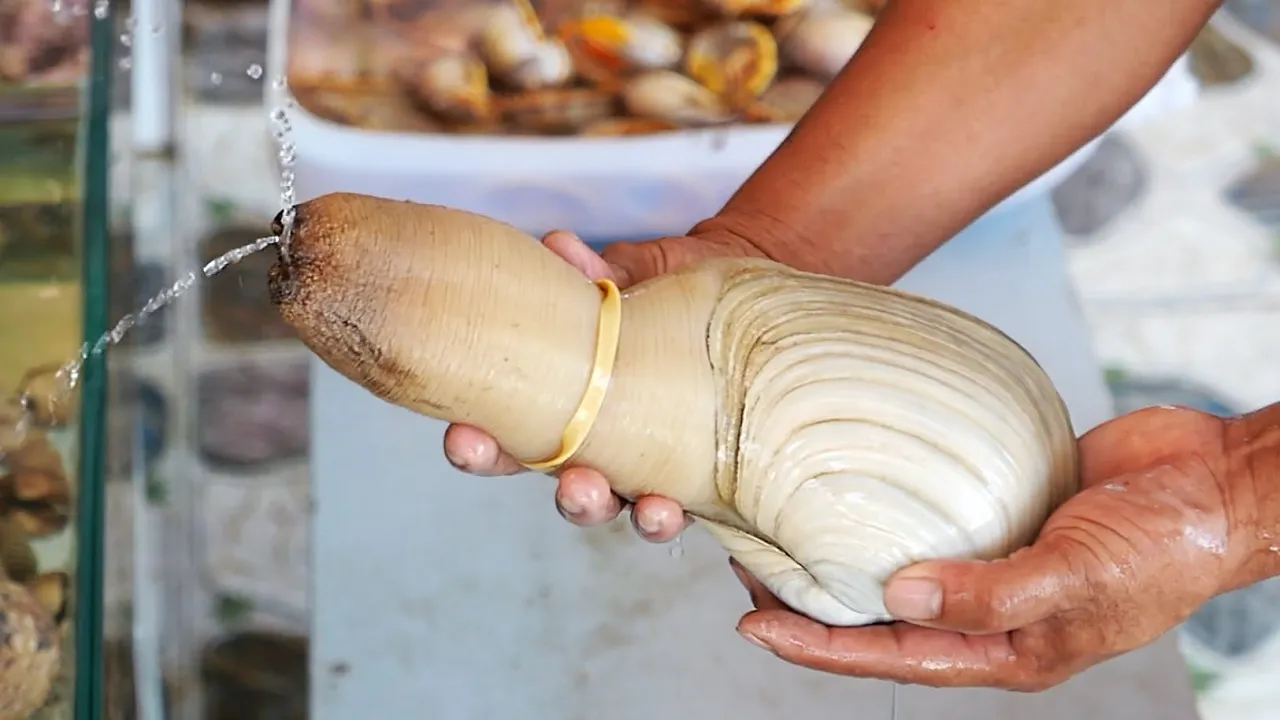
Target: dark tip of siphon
pixel 277 224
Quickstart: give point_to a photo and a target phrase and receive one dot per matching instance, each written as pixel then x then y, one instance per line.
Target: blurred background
pixel 137 152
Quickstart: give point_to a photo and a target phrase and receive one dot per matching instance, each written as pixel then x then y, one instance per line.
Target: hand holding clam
pixel 1166 521
pixel 584 497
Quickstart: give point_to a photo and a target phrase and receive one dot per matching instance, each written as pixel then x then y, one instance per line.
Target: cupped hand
pixel 1148 540
pixel 583 496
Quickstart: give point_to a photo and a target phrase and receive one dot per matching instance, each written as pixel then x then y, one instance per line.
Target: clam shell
pixel 864 430
pixel 47 395
pixel 821 42
pixel 671 97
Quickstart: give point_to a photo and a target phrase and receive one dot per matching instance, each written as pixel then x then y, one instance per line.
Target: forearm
pixel 948 107
pixel 1252 482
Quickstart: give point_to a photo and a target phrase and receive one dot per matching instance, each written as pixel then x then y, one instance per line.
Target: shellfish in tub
pixel 735 60
pixel 454 88
pixel 519 53
pixel 822 41
pixel 605 48
pixel 827 432
pixel 670 97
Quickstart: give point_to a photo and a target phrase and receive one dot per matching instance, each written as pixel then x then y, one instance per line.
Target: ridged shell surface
pixel 863 430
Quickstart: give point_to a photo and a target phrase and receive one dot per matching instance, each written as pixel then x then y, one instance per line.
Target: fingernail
pixel 646 523
pixel 466 457
pixel 569 506
pixel 455 460
pixel 755 641
pixel 914 598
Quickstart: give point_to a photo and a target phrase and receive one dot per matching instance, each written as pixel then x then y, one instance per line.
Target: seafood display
pixel 35 510
pixel 568 67
pixel 43 42
pixel 44 53
pixel 41 311
pixel 826 432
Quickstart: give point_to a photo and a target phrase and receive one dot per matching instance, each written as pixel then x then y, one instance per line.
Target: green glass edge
pixel 95 233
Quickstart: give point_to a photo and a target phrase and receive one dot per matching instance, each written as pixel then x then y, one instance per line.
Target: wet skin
pixel 1176 507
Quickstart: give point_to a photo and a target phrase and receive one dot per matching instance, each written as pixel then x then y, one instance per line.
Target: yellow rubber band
pixel 608 328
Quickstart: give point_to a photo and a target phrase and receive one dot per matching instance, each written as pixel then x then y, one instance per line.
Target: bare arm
pixel 948 107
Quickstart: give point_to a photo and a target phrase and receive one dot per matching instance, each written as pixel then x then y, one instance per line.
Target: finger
pixel 984 597
pixel 899 652
pixel 761 598
pixel 472 450
pixel 637 262
pixel 584 498
pixel 578 254
pixel 658 519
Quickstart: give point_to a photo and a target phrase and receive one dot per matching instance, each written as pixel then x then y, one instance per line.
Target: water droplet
pixel 280 83
pixel 101 9
pixel 255 71
pixel 126 40
pixel 677 548
pixel 131 22
pixel 157 28
pixel 126 63
pixel 215 78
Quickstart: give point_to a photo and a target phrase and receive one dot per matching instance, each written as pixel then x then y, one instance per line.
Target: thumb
pixel 984 597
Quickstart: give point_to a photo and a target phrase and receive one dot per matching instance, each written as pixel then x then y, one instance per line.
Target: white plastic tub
pixel 607 188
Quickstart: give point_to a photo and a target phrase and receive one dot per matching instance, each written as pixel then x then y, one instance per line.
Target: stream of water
pixel 281 129
pixel 69 374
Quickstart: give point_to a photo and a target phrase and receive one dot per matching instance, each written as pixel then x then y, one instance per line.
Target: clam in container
pixel 53 297
pixel 618 121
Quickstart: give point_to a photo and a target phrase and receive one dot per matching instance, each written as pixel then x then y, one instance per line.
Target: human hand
pixel 583 496
pixel 1151 537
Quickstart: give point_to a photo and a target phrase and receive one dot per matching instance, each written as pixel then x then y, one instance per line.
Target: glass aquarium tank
pixel 53 155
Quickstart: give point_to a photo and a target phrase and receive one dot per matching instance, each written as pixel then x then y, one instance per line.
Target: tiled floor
pixel 1182 289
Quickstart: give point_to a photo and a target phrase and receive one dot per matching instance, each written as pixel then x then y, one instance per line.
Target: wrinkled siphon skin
pixel 828 434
